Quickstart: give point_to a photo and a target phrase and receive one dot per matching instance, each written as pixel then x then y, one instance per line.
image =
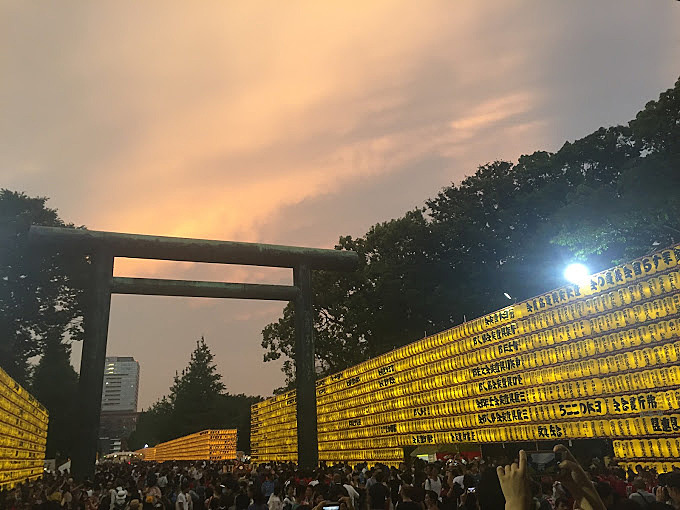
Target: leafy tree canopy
pixel 40 291
pixel 508 228
pixel 197 401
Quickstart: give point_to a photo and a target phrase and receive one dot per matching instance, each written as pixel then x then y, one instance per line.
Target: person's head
pixel 309 492
pixel 562 504
pixel 290 490
pixel 134 504
pixel 672 483
pixel 379 476
pixel 638 484
pixel 431 499
pixel 318 497
pixel 407 492
pixel 337 478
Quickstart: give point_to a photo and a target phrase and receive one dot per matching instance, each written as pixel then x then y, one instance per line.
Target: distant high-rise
pixel 121 384
pixel 119 402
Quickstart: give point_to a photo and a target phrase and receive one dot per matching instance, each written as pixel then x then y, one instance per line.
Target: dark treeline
pixel 509 228
pixel 197 401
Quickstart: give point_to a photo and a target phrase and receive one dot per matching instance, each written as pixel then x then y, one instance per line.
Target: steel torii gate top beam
pixel 104 247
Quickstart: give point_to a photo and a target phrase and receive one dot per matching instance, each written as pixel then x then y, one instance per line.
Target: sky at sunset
pixel 293 123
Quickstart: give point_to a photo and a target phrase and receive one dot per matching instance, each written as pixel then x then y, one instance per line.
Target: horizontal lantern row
pixel 640 426
pixel 627 404
pixel 546 373
pixel 510 339
pixel 577 308
pixel 631 381
pixel 667 447
pixel 431 364
pixel 205 445
pixel 445 416
pixel 23 433
pixel 607 280
pixel 417 394
pixel 661 466
pixel 476 350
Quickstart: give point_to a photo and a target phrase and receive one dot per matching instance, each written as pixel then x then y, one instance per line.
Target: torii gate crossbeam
pixel 104 247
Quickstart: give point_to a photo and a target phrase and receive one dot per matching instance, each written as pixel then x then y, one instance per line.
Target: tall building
pixel 119 403
pixel 121 384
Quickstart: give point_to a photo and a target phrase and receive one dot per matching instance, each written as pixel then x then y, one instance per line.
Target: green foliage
pixel 197 401
pixel 40 291
pixel 508 228
pixel 55 385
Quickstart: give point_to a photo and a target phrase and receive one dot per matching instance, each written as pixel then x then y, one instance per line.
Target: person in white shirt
pixel 351 491
pixel 184 501
pixel 434 482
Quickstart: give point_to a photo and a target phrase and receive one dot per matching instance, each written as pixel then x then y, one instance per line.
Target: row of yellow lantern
pixel 277 416
pixel 627 294
pixel 554 412
pixel 663 466
pixel 609 280
pixel 14 453
pixel 13 442
pixel 620 427
pixel 623 275
pixel 614 365
pixel 666 448
pixel 204 445
pixel 148 454
pixel 448 417
pixel 11 419
pixel 23 394
pixel 276 438
pixel 12 430
pixel 449 382
pixel 15 475
pixel 429 364
pixel 364 455
pixel 13 403
pixel 630 316
pixel 25 414
pixel 416 404
pixel 23 433
pixel 267 430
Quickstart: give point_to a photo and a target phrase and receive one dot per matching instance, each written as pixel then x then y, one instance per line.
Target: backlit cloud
pixel 293 123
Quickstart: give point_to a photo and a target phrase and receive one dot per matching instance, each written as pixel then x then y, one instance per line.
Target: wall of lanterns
pixel 205 445
pixel 23 433
pixel 599 359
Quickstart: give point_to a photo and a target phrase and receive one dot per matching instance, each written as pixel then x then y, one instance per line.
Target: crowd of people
pixel 454 484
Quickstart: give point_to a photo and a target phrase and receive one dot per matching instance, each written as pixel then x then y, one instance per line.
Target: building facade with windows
pixel 119 403
pixel 121 384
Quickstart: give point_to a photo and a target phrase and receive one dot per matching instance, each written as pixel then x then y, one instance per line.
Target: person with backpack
pixel 640 494
pixel 434 482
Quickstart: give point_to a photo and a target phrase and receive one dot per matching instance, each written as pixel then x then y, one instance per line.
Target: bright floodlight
pixel 507 295
pixel 576 273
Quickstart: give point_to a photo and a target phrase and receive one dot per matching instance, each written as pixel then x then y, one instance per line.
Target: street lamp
pixel 576 273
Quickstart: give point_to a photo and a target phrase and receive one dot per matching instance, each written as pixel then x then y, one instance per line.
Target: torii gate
pixel 104 247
